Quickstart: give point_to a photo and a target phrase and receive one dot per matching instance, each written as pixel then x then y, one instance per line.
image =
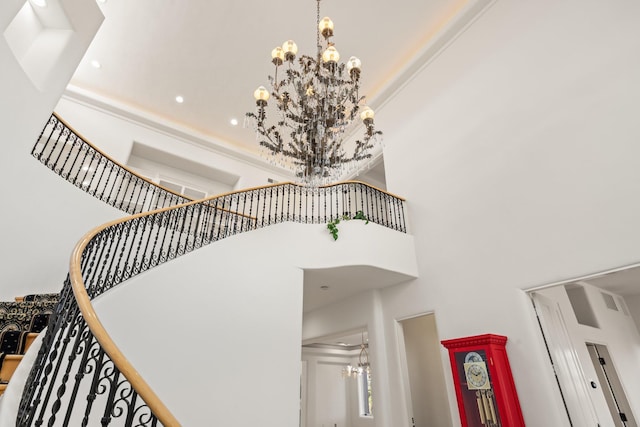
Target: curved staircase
pixel 80 375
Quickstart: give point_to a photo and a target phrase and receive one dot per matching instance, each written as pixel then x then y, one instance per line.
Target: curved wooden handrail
pixel 90 316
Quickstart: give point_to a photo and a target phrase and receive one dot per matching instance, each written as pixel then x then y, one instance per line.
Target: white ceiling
pixel 215 53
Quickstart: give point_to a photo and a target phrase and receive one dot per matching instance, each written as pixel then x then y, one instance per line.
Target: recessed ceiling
pixel 214 54
pixel 347 341
pixel 344 282
pixel 624 282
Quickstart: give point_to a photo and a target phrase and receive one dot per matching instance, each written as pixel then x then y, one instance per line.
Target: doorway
pixel 429 403
pixel 581 322
pixel 611 386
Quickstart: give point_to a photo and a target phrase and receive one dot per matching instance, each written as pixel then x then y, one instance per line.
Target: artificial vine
pixel 333 225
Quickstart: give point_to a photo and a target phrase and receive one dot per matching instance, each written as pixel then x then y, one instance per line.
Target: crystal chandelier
pixel 351 371
pixel 317 100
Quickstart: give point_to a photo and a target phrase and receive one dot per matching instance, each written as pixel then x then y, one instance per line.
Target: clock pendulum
pixel 486 408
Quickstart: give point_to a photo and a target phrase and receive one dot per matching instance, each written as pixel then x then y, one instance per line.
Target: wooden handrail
pixel 147 394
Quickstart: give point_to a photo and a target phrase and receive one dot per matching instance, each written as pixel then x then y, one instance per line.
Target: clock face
pixel 477 377
pixel 472 356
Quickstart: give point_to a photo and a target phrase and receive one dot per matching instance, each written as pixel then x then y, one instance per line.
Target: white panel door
pixel 569 372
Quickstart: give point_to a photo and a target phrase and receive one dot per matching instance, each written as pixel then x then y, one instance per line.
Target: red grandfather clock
pixel 485 390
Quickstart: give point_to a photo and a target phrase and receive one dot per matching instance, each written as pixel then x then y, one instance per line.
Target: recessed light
pixel 234 122
pixel 96 64
pixel 40 3
pixel 102 1
pixel 179 99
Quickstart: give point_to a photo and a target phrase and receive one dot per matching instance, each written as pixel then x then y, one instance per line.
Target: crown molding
pixel 169 128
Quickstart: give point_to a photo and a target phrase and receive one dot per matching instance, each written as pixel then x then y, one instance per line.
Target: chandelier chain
pixel 318 45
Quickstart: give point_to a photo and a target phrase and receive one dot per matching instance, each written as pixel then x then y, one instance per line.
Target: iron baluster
pixel 101 165
pixel 63 132
pixel 269 220
pixel 111 375
pixel 84 336
pixel 97 355
pixel 119 178
pixel 55 165
pixel 276 216
pixel 124 194
pixel 56 356
pixel 73 331
pixel 50 122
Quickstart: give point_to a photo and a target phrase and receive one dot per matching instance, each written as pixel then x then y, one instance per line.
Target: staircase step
pixel 31 336
pixel 12 341
pixel 25 316
pixel 3 387
pixel 9 364
pixel 38 297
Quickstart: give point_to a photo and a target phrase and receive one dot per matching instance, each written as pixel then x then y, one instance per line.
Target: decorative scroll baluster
pixel 69 136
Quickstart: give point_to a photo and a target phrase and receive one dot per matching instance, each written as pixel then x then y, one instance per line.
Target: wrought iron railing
pixel 79 373
pixel 80 377
pixel 69 155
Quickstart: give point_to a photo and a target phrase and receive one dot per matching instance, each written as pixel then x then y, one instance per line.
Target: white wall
pixel 42 216
pixel 327 393
pixel 633 303
pixel 238 304
pixel 331 399
pixel 516 149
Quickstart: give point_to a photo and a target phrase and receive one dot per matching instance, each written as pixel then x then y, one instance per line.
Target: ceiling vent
pixel 609 301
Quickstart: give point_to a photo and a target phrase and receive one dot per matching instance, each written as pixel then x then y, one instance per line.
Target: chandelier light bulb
pixel 290 50
pixel 261 95
pixel 353 66
pixel 326 27
pixel 331 55
pixel 367 115
pixel 277 56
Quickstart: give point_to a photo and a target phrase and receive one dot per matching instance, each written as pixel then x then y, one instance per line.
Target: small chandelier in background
pixel 317 99
pixel 351 371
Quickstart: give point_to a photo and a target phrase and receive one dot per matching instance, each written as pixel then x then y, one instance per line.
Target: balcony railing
pixel 80 377
pixel 64 151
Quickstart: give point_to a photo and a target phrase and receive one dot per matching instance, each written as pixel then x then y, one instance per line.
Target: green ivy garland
pixel 333 225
